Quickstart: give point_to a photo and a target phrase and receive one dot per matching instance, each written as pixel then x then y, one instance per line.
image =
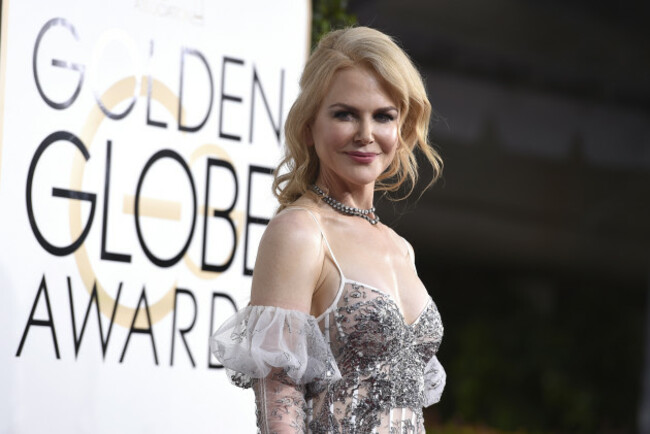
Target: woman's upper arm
pixel 289 262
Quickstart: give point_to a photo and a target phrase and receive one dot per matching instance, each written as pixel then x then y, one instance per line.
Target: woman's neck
pixel 357 196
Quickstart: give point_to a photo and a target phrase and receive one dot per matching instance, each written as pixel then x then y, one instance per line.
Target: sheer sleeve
pixel 280 404
pixel 435 379
pixel 259 338
pixel 277 352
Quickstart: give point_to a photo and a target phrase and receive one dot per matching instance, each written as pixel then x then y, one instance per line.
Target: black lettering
pixel 93 300
pixel 149 89
pixel 57 63
pixel 250 219
pixel 59 192
pixel 164 153
pixel 147 330
pixel 227 97
pixel 224 214
pixel 106 110
pixel 257 84
pixel 180 330
pixel 198 54
pixel 105 254
pixel 49 322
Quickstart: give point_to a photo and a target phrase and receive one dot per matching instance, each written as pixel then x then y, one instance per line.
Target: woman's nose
pixel 364 133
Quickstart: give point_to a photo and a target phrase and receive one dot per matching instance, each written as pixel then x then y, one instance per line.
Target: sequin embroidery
pixel 382 362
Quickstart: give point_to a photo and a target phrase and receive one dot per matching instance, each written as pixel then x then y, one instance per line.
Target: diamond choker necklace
pixel 349 210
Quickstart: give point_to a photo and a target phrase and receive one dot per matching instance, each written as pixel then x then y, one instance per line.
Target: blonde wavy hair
pixel 372 49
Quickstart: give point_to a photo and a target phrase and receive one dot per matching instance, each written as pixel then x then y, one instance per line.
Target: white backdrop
pixel 136 142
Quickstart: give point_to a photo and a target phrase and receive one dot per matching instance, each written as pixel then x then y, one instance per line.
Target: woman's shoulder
pixel 401 242
pixel 289 261
pixel 295 233
pixel 295 223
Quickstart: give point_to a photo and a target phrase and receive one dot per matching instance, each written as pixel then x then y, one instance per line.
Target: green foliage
pixel 329 15
pixel 455 428
pixel 526 353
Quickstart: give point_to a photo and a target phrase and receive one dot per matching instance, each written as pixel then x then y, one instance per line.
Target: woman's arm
pixel 280 404
pixel 288 266
pixel 289 262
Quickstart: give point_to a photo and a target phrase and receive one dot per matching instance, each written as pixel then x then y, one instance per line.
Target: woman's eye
pixel 384 117
pixel 342 115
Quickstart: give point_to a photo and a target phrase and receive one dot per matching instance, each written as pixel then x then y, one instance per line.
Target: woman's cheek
pixel 339 135
pixel 390 139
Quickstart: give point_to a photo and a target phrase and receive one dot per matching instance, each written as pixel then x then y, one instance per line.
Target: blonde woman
pixel 341 335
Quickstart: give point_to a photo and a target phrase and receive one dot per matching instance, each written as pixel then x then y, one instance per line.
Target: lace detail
pixel 359 368
pixel 383 362
pixel 259 338
pixel 435 378
pixel 280 404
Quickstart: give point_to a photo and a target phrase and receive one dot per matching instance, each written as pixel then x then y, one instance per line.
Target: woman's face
pixel 355 131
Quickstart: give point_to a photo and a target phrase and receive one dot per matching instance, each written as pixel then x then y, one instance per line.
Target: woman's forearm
pixel 280 404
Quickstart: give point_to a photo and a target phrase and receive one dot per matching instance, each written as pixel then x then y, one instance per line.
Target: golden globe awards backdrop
pixel 137 142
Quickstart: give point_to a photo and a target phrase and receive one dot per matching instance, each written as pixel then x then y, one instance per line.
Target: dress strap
pixel 322 232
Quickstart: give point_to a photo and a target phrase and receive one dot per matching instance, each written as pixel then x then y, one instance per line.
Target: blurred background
pixel 535 244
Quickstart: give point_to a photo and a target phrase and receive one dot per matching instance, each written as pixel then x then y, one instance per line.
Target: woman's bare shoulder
pixel 402 243
pixel 289 261
pixel 293 227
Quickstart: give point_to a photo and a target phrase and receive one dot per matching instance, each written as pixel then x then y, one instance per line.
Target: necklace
pixel 349 210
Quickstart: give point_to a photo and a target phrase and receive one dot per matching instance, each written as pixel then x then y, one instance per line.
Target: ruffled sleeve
pixel 435 378
pixel 257 339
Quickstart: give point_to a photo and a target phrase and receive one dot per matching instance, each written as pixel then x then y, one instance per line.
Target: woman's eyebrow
pixel 352 108
pixel 387 109
pixel 343 106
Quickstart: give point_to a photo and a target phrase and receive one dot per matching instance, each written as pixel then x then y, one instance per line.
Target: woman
pixel 340 335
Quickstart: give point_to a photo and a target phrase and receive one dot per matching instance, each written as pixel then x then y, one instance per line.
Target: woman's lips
pixel 362 157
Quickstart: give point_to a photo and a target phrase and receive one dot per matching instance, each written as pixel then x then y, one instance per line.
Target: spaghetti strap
pixel 322 232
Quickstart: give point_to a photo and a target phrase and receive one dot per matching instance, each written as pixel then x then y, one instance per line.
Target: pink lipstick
pixel 362 157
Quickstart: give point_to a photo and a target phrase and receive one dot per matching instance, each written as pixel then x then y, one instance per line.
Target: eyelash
pixel 385 117
pixel 381 117
pixel 342 114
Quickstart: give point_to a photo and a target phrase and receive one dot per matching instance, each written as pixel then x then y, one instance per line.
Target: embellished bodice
pixel 358 368
pixel 382 361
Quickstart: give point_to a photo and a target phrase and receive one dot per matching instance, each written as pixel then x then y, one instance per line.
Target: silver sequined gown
pixel 357 368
